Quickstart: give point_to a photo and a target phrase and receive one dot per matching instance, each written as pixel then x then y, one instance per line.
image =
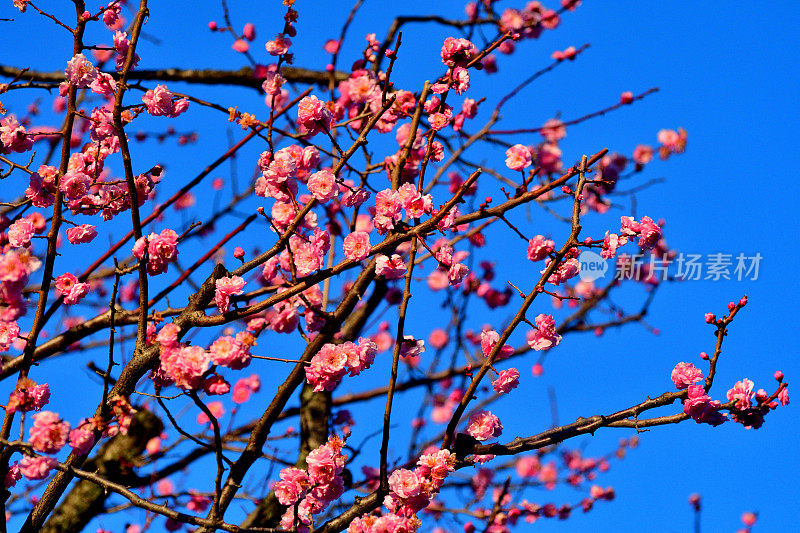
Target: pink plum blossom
pixel 34 468
pixel 701 408
pixel 545 336
pixel 81 439
pixel 225 288
pixel 405 483
pixel 67 285
pixel 393 267
pixel 160 103
pixel 231 352
pixel 457 51
pixel 20 232
pixel 49 433
pixel 162 249
pixel 553 130
pixel 9 331
pixel 518 157
pixel 185 365
pixel 279 46
pixel 81 234
pixel 80 72
pixel 539 248
pixel 506 381
pixel 323 185
pixel 742 393
pixel 685 374
pixel 483 425
pixel 313 117
pixel 357 246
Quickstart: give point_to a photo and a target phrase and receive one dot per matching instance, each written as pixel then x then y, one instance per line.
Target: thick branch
pixel 244 77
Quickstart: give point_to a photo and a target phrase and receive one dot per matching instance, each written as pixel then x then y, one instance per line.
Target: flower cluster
pixel 67 285
pixel 314 489
pixel 702 408
pixel 649 232
pixel 333 361
pixel 161 103
pixel 28 396
pixel 162 249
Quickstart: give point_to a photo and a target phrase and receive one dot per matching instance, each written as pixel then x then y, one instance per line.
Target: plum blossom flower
pixel 185 365
pixel 312 116
pixel 279 46
pixel 436 466
pixel 80 72
pixel 391 267
pixel 162 249
pixel 457 51
pixel 225 288
pixel 489 339
pixel 539 248
pixel 111 15
pixel 356 245
pixel 650 233
pixel 327 368
pixel 159 102
pixel 293 485
pixel 783 396
pixel 629 226
pixel 332 362
pixel 28 396
pixel 642 154
pixel 701 408
pixel 518 157
pixel 244 388
pixel 742 393
pixel 323 185
pixel 20 232
pixel 545 336
pixel 34 468
pixel 217 410
pixel 81 439
pixel 13 136
pixel 440 120
pixel 67 285
pixel 506 381
pixel 456 273
pixel 216 385
pixel 272 84
pixel 685 374
pixel 81 234
pixel 49 433
pixel 483 425
pixel 231 352
pixel 611 242
pixel 405 483
pixel 568 269
pixel 553 130
pixel 438 338
pixel 75 184
pixel 9 331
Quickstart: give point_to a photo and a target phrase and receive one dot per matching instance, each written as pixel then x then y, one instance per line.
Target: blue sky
pixel 727 75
